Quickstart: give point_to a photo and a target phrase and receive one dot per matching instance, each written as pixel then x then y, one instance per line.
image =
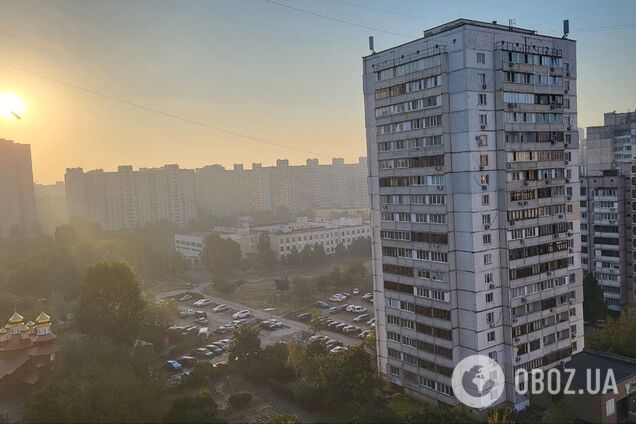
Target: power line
pixel 161 112
pixel 390 12
pixel 342 21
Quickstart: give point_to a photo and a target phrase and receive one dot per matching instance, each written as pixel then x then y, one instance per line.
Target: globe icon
pixel 476 383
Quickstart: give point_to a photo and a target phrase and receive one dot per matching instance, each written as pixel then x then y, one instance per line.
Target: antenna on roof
pixel 371 46
pixel 566 28
pixel 511 23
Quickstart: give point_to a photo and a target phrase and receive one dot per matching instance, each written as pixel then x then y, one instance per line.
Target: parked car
pixel 346 294
pixel 361 318
pixel 242 314
pixel 341 326
pixel 356 291
pixel 365 334
pixel 224 343
pixel 213 348
pixel 185 297
pixel 333 324
pixel 188 361
pixel 333 343
pixel 337 349
pixel 201 314
pixel 202 351
pixel 186 312
pixel 269 325
pixel 350 329
pixel 225 328
pixel 322 305
pixel 318 338
pixel 220 364
pixel 202 302
pixel 204 332
pixel 350 308
pixel 220 308
pixel 173 365
pixel 305 316
pixel 202 321
pixel 238 322
pixel 371 321
pixel 358 309
pixel 334 310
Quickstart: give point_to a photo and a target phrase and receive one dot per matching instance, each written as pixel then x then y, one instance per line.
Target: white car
pixel 350 308
pixel 220 308
pixel 335 298
pixel 338 349
pixel 356 291
pixel 371 321
pixel 365 334
pixel 242 314
pixel 185 297
pixel 202 302
pixel 358 309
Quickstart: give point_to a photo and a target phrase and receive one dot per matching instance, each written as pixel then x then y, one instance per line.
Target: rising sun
pixel 11 106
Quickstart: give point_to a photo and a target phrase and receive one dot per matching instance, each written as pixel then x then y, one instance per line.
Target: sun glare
pixel 11 106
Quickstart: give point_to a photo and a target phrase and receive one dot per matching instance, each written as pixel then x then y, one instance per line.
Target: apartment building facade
pixel 606 235
pixel 284 238
pixel 17 198
pixel 50 202
pixel 473 160
pixel 222 192
pixel 128 199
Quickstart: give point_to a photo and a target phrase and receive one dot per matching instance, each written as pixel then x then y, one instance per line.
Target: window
pixel 483 119
pixel 481 58
pixel 482 79
pixel 485 219
pixel 483 160
pixel 490 317
pixel 487 259
pixel 485 199
pixel 483 140
pixel 484 179
pixel 482 101
pixel 488 279
pixel 394 370
pixel 487 238
pixel 489 297
pixel 491 336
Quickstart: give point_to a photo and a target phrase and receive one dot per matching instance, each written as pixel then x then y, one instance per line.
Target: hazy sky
pixel 248 66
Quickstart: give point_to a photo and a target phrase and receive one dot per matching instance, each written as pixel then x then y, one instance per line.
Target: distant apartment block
pixel 612 145
pixel 473 158
pixel 50 201
pixel 127 199
pixel 606 235
pixel 17 199
pixel 284 238
pixel 222 192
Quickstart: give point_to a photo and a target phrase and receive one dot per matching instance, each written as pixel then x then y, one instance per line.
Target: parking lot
pixel 287 329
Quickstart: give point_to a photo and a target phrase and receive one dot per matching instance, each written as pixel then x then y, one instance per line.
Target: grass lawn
pixel 404 406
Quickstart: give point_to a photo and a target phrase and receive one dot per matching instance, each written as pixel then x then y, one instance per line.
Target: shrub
pixel 239 400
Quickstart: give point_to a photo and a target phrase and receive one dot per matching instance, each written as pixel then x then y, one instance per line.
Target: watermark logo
pixel 478 381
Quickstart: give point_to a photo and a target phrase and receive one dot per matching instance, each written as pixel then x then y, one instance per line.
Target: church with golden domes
pixel 26 352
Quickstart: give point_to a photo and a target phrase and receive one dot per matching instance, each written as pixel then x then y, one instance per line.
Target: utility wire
pixel 390 12
pixel 342 21
pixel 161 112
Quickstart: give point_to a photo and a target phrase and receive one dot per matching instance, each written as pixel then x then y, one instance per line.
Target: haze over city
pixel 252 67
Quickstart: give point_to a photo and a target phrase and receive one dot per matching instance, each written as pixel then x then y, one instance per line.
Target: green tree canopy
pixel 594 307
pixel 111 302
pixel 220 256
pixel 97 380
pixel 246 344
pixel 199 408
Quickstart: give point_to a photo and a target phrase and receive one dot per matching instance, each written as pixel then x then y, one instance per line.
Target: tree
pixel 199 408
pixel 301 287
pixel 246 344
pixel 617 336
pixel 223 286
pixel 111 303
pixel 284 419
pixel 315 321
pixel 97 380
pixel 265 255
pixel 220 255
pixel 434 414
pixel 594 307
pixel 559 413
pixel 282 284
pixel 500 416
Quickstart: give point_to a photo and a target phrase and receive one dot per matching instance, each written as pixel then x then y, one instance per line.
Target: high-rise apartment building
pixel 222 192
pixel 612 145
pixel 473 159
pixel 606 235
pixel 17 200
pixel 127 199
pixel 50 201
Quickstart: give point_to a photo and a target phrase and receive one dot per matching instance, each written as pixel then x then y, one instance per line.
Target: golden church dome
pixel 16 318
